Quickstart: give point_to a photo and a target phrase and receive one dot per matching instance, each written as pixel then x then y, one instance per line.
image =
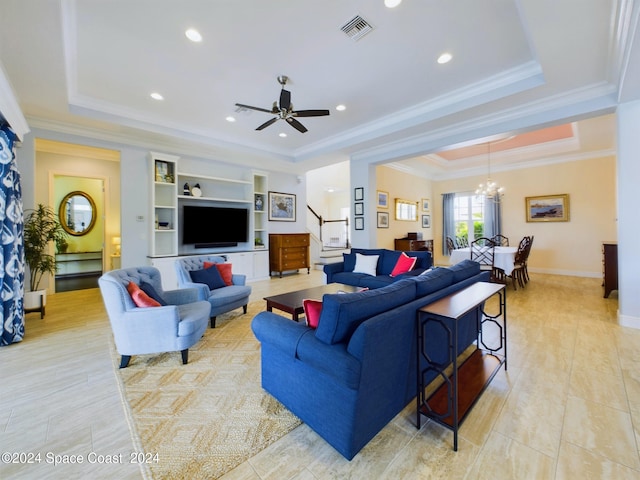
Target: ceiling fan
pixel 284 110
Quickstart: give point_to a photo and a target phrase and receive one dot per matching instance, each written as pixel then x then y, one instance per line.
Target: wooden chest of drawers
pixel 609 267
pixel 409 245
pixel 288 251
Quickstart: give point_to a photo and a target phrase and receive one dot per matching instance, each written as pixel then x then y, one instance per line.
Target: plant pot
pixel 32 300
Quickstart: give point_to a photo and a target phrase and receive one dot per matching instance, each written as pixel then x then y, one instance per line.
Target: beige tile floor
pixel 568 407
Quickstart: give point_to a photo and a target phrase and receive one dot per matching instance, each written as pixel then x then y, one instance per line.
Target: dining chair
pixel 518 275
pixel 500 240
pixel 483 251
pixel 462 241
pixel 525 270
pixel 450 245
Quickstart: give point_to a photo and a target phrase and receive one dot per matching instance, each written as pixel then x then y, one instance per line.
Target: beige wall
pixel 571 248
pixel 407 187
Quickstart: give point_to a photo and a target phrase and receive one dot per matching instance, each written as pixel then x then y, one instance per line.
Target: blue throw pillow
pixel 349 261
pixel 209 276
pixel 149 290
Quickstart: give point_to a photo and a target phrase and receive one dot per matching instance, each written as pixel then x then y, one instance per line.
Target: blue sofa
pixel 348 378
pixel 342 272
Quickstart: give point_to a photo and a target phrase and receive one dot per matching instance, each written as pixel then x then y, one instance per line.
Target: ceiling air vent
pixel 356 28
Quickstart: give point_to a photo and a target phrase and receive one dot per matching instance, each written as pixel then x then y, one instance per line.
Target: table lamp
pixel 115 241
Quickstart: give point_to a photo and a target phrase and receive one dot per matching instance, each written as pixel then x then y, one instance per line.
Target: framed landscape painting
pixel 282 207
pixel 547 208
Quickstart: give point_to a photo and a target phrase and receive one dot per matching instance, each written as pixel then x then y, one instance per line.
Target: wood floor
pixel 569 406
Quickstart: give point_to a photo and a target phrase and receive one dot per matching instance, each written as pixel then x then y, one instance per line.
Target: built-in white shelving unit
pixel 171 188
pixel 164 205
pixel 260 213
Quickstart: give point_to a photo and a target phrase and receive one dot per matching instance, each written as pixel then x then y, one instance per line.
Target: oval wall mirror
pixel 77 213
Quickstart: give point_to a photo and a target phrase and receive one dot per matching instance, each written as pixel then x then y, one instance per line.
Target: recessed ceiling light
pixel 231 119
pixel 341 108
pixel 444 58
pixel 157 96
pixel 193 35
pixel 282 134
pixel 392 3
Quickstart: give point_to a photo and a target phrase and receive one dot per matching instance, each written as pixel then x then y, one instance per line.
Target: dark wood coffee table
pixel 292 302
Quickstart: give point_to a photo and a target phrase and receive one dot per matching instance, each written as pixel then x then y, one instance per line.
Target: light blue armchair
pixel 174 327
pixel 223 299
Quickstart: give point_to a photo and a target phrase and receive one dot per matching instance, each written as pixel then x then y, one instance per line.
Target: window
pixel 468 215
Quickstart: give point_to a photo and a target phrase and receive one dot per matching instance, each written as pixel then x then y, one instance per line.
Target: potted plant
pixel 41 226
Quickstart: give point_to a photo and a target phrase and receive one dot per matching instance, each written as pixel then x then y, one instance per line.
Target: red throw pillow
pixel 404 264
pixel 140 298
pixel 224 269
pixel 312 311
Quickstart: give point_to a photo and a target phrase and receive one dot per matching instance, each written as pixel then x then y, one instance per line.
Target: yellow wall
pixel 572 248
pixel 407 187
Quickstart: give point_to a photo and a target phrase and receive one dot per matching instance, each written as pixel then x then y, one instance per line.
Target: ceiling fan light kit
pixel 283 109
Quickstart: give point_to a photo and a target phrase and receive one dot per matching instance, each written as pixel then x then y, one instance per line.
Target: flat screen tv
pixel 214 226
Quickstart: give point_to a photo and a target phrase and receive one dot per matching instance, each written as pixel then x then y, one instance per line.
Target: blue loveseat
pixel 348 378
pixel 342 272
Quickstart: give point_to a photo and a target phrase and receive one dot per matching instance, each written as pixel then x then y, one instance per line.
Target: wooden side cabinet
pixel 288 251
pixel 609 267
pixel 409 245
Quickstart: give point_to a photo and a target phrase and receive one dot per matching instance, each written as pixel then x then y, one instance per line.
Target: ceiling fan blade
pixel 267 123
pixel 296 124
pixel 253 108
pixel 310 113
pixel 285 99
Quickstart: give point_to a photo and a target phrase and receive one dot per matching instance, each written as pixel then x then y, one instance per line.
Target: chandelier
pixel 490 189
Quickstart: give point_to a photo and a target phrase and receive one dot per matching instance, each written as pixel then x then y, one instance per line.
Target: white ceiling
pixel 88 67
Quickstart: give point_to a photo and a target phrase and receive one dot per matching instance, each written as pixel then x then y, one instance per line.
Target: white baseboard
pixel 628 321
pixel 570 273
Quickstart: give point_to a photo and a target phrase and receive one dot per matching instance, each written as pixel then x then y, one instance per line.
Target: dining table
pixel 503 257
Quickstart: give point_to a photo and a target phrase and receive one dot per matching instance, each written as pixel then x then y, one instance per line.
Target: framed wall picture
pixel 383 199
pixel 426 221
pixel 359 223
pixel 282 207
pixel 358 208
pixel 383 219
pixel 426 204
pixel 358 194
pixel 547 208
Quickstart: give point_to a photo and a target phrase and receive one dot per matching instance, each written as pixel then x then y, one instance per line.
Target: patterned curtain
pixel 11 242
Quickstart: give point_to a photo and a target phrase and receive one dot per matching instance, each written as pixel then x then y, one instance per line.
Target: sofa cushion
pixel 209 276
pixel 349 260
pixel 464 269
pixel 425 259
pixel 433 280
pixel 342 313
pixel 140 298
pixel 378 281
pixel 312 310
pixel 147 288
pixel 388 261
pixel 366 264
pixel 403 265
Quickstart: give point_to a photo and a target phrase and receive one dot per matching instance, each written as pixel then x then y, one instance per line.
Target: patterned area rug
pixel 206 417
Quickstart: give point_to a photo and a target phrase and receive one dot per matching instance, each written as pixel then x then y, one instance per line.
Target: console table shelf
pixel 454 398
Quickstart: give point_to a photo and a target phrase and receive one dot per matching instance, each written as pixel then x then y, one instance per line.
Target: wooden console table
pixel 451 402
